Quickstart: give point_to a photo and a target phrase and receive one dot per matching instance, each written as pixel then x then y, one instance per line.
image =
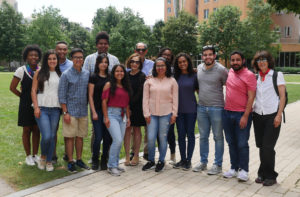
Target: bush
pixel 288 70
pixel 3 69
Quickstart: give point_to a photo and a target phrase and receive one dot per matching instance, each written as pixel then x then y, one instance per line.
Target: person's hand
pixel 128 123
pixel 243 122
pixel 37 112
pixel 277 120
pixel 107 122
pixel 173 119
pixel 148 119
pixel 67 118
pixel 94 116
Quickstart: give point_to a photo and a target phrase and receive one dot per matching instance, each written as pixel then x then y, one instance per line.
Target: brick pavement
pixel 172 182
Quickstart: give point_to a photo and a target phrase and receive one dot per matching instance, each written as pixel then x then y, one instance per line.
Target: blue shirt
pixel 90 61
pixel 147 67
pixel 72 91
pixel 66 65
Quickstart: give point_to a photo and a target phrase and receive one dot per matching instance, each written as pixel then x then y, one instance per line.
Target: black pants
pixel 266 137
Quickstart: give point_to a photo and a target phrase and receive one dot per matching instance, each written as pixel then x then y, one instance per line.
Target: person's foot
pixel 215 169
pixel 121 169
pixel 103 163
pixel 134 161
pixel 172 159
pixel 159 166
pixel 81 164
pixel 113 171
pixel 200 167
pixel 131 156
pixel 148 166
pixel 49 167
pixel 90 161
pixel 230 173
pixel 242 176
pixel 259 180
pixel 42 164
pixel 72 167
pixel 66 158
pixel 127 161
pixel 29 161
pixel 145 156
pixel 95 165
pixel 54 159
pixel 187 165
pixel 36 158
pixel 179 164
pixel 269 182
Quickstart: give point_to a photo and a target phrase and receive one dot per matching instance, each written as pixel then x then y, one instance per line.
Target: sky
pixel 83 11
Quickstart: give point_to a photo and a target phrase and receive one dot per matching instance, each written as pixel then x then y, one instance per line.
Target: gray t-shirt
pixel 211 83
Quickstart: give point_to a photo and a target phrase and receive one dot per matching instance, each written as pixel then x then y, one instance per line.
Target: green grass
pixel 12 166
pixel 292 78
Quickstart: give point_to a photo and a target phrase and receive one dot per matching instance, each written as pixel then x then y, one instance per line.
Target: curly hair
pixel 102 35
pixel 29 48
pixel 162 50
pixel 262 54
pixel 125 81
pixel 168 71
pixel 132 56
pixel 176 66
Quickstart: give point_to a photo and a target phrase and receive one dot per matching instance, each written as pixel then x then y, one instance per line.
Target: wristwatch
pixel 65 112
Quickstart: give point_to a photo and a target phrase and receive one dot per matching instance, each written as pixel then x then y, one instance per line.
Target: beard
pixel 236 67
pixel 209 62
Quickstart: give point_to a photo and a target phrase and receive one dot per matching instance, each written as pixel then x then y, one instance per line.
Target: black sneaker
pixel 269 182
pixel 187 165
pixel 54 159
pixel 103 163
pixel 81 164
pixel 179 165
pixel 159 166
pixel 145 156
pixel 95 164
pixel 71 167
pixel 66 158
pixel 259 180
pixel 148 166
pixel 131 155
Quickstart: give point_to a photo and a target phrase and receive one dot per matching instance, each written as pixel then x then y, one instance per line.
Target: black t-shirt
pixel 99 83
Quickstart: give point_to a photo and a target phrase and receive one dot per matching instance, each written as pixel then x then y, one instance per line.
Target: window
pixel 206 12
pixel 169 1
pixel 215 9
pixel 169 10
pixel 206 1
pixel 287 31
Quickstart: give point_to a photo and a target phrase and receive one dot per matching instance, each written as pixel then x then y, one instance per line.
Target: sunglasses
pixel 139 50
pixel 261 60
pixel 136 62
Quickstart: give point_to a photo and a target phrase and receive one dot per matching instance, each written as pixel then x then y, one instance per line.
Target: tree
pixel 180 34
pixel 11 34
pixel 155 41
pixel 223 29
pixel 47 28
pixel 290 5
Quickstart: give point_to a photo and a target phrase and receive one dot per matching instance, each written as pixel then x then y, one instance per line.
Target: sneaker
pixel 187 166
pixel 49 167
pixel 121 169
pixel 242 176
pixel 113 171
pixel 90 161
pixel 103 163
pixel 42 164
pixel 230 173
pixel 29 161
pixel 159 166
pixel 145 156
pixel 200 167
pixel 269 182
pixel 215 169
pixel 179 165
pixel 148 166
pixel 54 159
pixel 66 158
pixel 259 180
pixel 72 167
pixel 81 164
pixel 172 159
pixel 95 165
pixel 36 159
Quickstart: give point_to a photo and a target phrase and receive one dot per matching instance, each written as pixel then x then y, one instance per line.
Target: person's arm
pixel 13 86
pixel 128 116
pixel 62 97
pixel 278 117
pixel 244 118
pixel 174 102
pixel 104 104
pixel 146 98
pixel 91 101
pixel 34 89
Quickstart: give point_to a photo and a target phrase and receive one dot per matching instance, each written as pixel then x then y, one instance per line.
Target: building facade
pixel 288 25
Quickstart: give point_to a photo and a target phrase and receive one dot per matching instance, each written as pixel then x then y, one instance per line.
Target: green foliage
pixel 180 34
pixel 223 28
pixel 290 5
pixel 290 70
pixel 155 41
pixel 11 33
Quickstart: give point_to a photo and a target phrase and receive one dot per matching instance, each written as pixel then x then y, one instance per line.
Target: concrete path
pixel 5 188
pixel 171 182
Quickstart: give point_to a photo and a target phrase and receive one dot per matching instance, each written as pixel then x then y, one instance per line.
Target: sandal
pixel 134 161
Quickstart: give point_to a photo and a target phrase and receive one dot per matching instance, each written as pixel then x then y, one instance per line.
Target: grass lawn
pixel 12 166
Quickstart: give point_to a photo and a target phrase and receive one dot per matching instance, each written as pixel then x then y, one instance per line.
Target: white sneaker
pixel 200 167
pixel 36 159
pixel 215 169
pixel 29 160
pixel 42 164
pixel 230 173
pixel 49 167
pixel 243 175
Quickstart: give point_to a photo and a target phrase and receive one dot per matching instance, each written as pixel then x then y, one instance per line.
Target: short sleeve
pixel 251 82
pixel 92 79
pixel 280 79
pixel 224 75
pixel 19 73
pixel 105 94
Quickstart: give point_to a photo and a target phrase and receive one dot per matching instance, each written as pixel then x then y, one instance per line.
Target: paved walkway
pixel 171 182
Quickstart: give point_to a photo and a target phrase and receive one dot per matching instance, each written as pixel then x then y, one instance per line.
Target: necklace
pixel 30 71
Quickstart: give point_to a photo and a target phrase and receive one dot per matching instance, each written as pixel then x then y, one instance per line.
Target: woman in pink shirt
pixel 160 105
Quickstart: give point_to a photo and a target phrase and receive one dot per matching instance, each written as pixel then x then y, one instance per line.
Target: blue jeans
pixel 117 132
pixel 185 123
pixel 210 117
pixel 100 132
pixel 47 123
pixel 159 126
pixel 237 139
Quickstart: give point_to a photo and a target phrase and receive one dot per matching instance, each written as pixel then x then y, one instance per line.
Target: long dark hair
pixel 176 66
pixel 99 61
pixel 44 73
pixel 125 81
pixel 168 71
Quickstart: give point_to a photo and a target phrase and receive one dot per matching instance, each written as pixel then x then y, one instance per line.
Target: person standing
pixel 211 78
pixel 267 115
pixel 44 94
pixel 32 55
pixel 237 116
pixel 72 94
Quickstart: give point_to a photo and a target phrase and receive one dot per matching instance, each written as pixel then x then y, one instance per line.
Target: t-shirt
pixel 237 86
pixel 187 84
pixel 211 83
pixel 120 98
pixel 99 83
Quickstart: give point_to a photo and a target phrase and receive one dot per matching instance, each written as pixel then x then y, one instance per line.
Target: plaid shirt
pixel 90 61
pixel 72 91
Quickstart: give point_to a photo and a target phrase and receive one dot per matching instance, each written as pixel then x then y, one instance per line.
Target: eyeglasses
pixel 261 60
pixel 139 50
pixel 136 62
pixel 77 57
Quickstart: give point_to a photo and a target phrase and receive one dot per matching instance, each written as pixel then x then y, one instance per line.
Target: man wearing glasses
pixel 142 50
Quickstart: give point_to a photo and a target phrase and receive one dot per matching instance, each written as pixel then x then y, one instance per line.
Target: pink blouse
pixel 120 99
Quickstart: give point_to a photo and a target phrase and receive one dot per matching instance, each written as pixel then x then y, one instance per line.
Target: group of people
pixel 154 95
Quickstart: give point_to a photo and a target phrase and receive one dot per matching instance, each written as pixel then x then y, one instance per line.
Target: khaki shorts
pixel 78 127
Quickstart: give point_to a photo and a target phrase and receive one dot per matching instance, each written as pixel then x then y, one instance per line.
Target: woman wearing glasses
pixel 267 115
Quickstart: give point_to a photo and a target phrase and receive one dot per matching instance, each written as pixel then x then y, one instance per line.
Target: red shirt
pixel 120 99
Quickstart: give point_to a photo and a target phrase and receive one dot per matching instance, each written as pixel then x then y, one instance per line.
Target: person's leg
pixel 127 140
pixel 137 144
pixel 82 132
pixel 172 140
pixel 189 121
pixel 35 139
pixel 26 140
pixel 152 131
pixel 98 135
pixel 259 127
pixel 54 119
pixel 181 130
pixel 163 127
pixel 145 143
pixel 204 130
pixel 107 141
pixel 69 147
